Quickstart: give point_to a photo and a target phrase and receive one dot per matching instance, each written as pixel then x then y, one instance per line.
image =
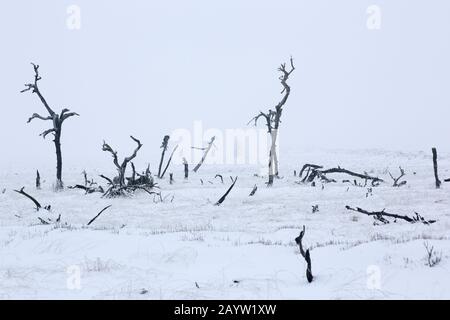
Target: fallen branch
pixel 36 203
pixel 314 171
pixel 305 255
pixel 93 219
pixel 38 180
pixel 308 166
pixel 379 216
pixel 222 199
pixel 253 191
pixel 396 180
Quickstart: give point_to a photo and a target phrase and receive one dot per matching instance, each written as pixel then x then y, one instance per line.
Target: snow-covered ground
pixel 187 248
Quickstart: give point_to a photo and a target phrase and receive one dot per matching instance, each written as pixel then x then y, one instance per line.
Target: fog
pixel 148 68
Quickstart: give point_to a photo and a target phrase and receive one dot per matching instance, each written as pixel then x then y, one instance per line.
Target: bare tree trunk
pixel 59 183
pixel 435 166
pixel 273 161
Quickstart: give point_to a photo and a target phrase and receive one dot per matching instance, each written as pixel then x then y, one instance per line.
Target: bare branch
pixel 37 116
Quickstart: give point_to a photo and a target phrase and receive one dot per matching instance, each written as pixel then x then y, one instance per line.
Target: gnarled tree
pixel 56 119
pixel 121 168
pixel 273 119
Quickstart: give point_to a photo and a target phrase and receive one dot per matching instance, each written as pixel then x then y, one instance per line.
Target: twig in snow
pixel 93 219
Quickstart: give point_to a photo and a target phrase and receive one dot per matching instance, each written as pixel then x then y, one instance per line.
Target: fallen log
pixel 380 216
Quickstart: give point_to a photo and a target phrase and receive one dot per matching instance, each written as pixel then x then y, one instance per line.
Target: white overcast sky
pixel 149 67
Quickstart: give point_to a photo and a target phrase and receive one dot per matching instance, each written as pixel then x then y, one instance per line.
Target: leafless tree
pixel 56 119
pixel 273 120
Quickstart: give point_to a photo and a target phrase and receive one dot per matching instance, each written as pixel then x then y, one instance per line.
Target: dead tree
pixel 222 199
pixel 38 180
pixel 396 180
pixel 121 168
pixel 381 216
pixel 435 166
pixel 305 255
pixel 164 145
pixel 210 143
pixel 273 120
pixel 57 122
pixel 117 186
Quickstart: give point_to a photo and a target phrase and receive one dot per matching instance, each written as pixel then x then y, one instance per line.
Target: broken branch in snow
pixel 379 216
pixel 435 167
pixel 36 203
pixel 396 180
pixel 308 166
pixel 253 191
pixel 93 219
pixel 38 180
pixel 222 199
pixel 210 143
pixel 305 255
pixel 314 171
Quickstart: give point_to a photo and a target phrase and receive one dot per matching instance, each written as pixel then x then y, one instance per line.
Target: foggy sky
pixel 147 68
